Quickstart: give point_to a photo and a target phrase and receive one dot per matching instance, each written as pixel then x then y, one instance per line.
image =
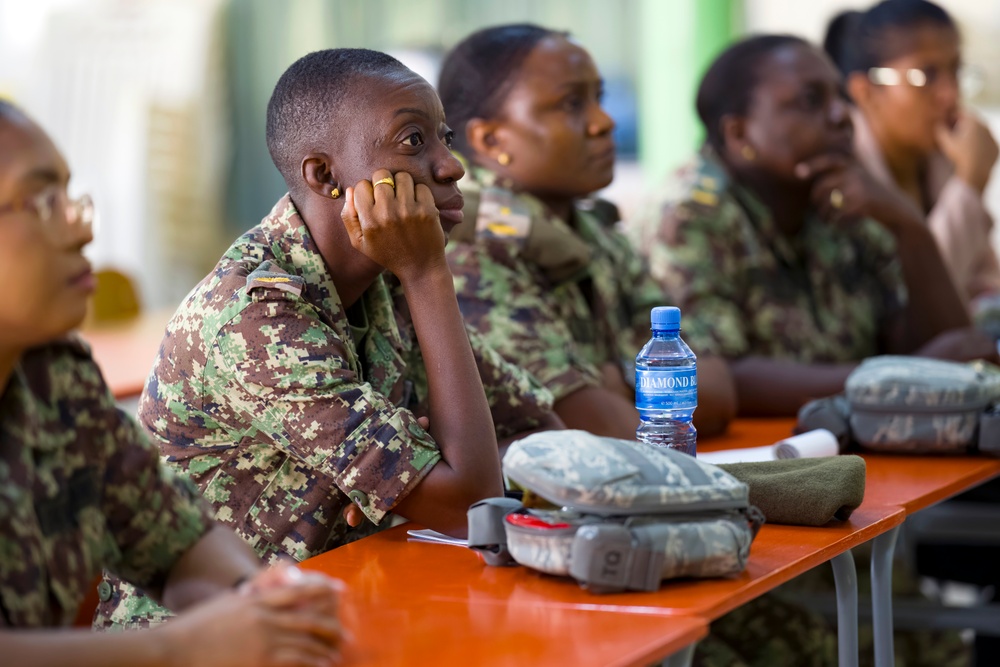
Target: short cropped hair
pixel 728 85
pixel 478 73
pixel 310 97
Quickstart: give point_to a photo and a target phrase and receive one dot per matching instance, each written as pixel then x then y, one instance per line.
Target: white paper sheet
pixel 745 455
pixel 428 535
pixel 812 444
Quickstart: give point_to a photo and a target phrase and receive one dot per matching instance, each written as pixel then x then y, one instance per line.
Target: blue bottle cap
pixel 666 317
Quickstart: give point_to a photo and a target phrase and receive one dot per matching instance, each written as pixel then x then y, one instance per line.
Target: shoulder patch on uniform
pixel 706 183
pixel 705 197
pixel 268 276
pixel 502 215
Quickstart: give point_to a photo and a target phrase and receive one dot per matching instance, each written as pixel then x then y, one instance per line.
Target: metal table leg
pixel 682 658
pixel 845 578
pixel 883 547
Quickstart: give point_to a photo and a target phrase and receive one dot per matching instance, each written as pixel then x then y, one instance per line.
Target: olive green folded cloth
pixel 804 492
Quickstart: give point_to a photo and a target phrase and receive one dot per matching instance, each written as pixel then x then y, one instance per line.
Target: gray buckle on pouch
pixel 487 534
pixel 612 558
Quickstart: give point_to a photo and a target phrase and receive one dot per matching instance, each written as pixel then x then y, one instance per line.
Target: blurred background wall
pixel 159 104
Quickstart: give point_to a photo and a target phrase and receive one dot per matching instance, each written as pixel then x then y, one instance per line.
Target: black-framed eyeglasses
pixel 46 205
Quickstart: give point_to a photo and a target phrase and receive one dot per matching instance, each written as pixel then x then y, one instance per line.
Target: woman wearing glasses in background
pixel 901 62
pixel 81 488
pixel 902 67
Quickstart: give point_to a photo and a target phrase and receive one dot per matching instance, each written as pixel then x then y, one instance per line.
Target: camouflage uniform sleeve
pixel 647 292
pixel 696 257
pixel 882 258
pixel 501 299
pixel 300 392
pixel 517 400
pixel 153 515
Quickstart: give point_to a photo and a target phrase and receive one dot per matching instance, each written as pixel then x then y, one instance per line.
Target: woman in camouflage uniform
pixel 540 268
pixel 81 489
pixel 544 274
pixel 795 263
pixel 789 259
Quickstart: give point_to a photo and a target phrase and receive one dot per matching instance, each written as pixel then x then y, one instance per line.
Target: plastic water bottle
pixel 666 385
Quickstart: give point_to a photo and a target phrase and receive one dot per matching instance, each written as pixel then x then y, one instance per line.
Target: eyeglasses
pixel 48 204
pixel 970 79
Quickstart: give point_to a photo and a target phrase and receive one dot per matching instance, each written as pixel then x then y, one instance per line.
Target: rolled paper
pixel 812 444
pixel 808 445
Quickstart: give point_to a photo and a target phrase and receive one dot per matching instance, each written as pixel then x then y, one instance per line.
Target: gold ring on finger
pixel 387 180
pixel 836 198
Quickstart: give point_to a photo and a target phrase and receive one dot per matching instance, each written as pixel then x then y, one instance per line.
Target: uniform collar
pixel 295 251
pixel 560 251
pixel 711 168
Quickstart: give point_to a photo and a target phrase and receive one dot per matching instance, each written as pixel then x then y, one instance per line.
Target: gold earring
pixel 335 193
pixel 503 159
pixel 748 153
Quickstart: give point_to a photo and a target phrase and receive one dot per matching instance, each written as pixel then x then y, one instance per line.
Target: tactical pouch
pixel 630 515
pixel 915 406
pixel 989 432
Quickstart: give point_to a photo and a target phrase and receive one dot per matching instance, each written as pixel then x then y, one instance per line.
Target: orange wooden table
pixel 908 482
pixel 125 351
pixel 390 630
pixel 393 568
pixel 395 572
pixel 917 482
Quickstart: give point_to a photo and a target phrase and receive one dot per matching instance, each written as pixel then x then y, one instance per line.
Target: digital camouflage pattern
pixel 546 550
pixel 922 385
pixel 607 476
pixel 766 632
pixel 81 489
pixel 745 289
pixel 908 404
pixel 556 299
pixel 679 503
pixel 284 406
pixel 713 546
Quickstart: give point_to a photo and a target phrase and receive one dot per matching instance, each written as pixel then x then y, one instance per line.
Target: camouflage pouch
pixel 620 515
pixel 922 406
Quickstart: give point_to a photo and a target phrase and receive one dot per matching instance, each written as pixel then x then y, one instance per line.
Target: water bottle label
pixel 666 389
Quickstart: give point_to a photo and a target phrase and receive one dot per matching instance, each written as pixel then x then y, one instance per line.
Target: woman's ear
pixel 317 172
pixel 735 139
pixel 484 138
pixel 860 89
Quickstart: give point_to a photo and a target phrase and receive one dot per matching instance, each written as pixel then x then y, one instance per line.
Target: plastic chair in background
pixel 115 299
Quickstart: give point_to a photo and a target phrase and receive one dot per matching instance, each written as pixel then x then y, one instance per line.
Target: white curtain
pixel 133 93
